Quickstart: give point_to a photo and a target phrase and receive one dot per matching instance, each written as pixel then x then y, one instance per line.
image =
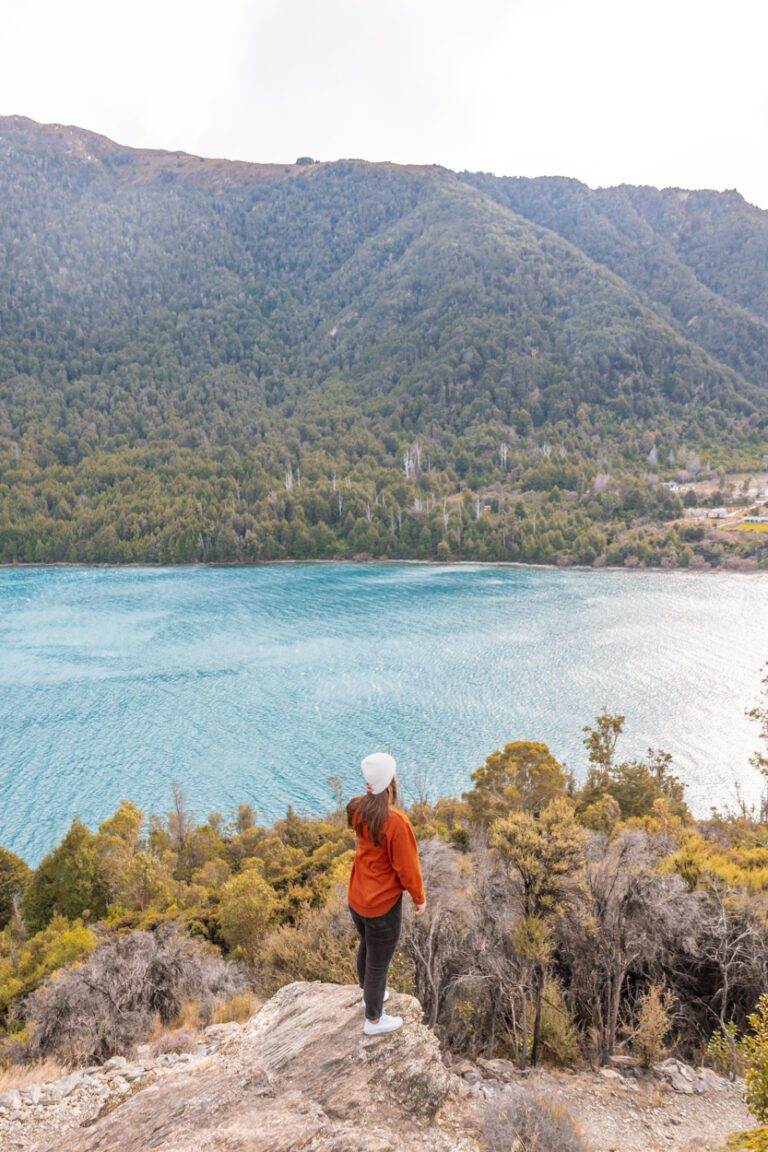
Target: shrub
pixel 725 1053
pixel 24 964
pixel 175 1040
pixel 321 946
pixel 756 1140
pixel 653 1020
pixel 756 1052
pixel 519 1121
pixel 71 880
pixel 14 877
pixel 559 1035
pixel 114 999
pixel 237 1008
pixel 248 903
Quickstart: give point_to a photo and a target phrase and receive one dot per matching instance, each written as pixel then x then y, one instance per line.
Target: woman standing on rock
pixel 386 865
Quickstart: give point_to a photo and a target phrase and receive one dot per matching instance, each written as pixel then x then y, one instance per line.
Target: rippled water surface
pixel 256 684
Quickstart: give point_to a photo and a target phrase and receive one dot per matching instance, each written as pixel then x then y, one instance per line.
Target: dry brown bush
pixel 175 1040
pixel 520 1121
pixel 237 1008
pixel 112 1001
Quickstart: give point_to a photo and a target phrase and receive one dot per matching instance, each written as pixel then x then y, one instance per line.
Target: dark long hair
pixel 370 813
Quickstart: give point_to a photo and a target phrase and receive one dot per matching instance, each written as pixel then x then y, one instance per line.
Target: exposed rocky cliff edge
pixel 299 1076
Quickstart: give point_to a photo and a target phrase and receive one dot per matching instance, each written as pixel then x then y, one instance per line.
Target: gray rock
pixel 610 1074
pixel 709 1081
pixel 115 1062
pixel 222 1031
pixel 52 1094
pixel 31 1094
pixel 10 1100
pixel 132 1072
pixel 503 1070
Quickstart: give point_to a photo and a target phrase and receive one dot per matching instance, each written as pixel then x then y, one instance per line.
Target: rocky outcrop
pixel 299 1076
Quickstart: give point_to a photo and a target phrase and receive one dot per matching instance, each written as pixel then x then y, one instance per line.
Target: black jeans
pixel 378 939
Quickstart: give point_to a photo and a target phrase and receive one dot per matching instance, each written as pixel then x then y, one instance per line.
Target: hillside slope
pixel 223 325
pixel 699 258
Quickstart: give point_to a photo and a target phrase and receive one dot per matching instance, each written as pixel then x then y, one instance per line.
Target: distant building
pixel 718 513
pixel 755 520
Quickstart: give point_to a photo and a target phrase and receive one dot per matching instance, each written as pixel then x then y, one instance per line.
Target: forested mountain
pixel 205 359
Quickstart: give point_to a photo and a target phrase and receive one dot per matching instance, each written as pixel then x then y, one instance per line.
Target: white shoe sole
pixel 376 1029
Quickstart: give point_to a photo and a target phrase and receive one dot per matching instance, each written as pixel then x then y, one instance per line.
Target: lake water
pixel 257 684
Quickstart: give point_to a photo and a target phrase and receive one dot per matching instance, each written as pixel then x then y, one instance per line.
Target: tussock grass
pixel 21 1075
pixel 237 1008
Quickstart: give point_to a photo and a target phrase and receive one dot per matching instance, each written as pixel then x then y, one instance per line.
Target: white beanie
pixel 379 771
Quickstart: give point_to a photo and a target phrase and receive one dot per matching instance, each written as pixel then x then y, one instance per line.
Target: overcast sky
pixel 664 92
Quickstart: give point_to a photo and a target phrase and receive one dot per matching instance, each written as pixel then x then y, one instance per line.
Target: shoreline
pixel 138 565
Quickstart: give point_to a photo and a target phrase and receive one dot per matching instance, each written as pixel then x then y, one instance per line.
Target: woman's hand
pixel 420 909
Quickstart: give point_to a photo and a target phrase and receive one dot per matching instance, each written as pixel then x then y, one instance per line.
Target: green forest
pixel 223 362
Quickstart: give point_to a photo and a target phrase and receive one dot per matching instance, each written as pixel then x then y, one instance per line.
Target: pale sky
pixel 664 92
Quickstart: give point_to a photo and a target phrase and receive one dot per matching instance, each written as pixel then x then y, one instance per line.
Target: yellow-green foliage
pixel 319 946
pixel 14 877
pixel 603 815
pixel 725 1051
pixel 742 863
pixel 248 904
pixel 652 1024
pixel 523 775
pixel 24 964
pixel 228 883
pixel 756 1140
pixel 559 1034
pixel 545 850
pixel 756 1054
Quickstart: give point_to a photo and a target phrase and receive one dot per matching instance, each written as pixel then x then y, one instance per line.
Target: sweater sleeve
pixel 404 853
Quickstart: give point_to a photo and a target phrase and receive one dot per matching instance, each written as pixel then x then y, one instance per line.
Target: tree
pixel 759 713
pixel 245 819
pixel 70 880
pixel 545 851
pixel 14 877
pixel 635 784
pixel 523 775
pixel 180 821
pixel 601 740
pixel 732 941
pixel 248 904
pixel 626 912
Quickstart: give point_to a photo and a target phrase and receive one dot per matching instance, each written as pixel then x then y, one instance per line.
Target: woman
pixel 386 865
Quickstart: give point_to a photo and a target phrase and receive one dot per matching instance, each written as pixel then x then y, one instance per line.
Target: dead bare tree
pixel 621 926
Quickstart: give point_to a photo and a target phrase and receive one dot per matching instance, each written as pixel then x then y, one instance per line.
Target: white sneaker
pixel 386 997
pixel 383 1024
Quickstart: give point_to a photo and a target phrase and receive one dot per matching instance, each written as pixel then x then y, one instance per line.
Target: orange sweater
pixel 381 874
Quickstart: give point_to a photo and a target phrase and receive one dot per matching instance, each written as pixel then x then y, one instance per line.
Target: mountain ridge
pixel 323 317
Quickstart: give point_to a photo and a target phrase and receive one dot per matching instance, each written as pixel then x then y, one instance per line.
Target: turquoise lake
pixel 257 684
